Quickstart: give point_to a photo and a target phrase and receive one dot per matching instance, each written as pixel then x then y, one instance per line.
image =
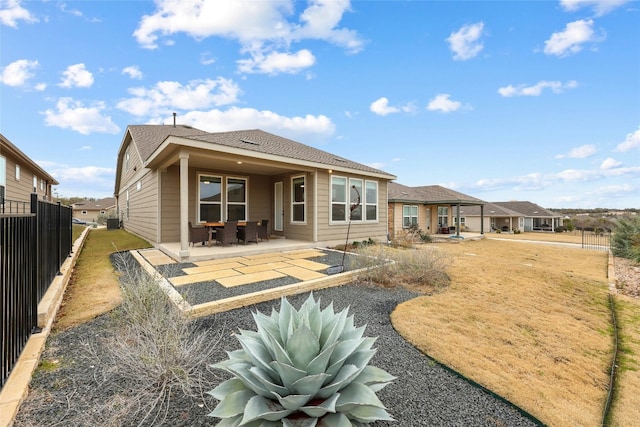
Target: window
pixel 409 216
pixel 236 199
pixel 463 221
pixel 35 184
pixel 17 172
pixel 338 198
pixel 443 216
pixel 138 185
pixel 371 201
pixel 210 199
pixel 297 199
pixel 126 159
pixel 3 176
pixel 355 191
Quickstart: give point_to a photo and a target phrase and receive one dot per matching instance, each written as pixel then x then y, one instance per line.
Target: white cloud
pixel 572 38
pixel 206 59
pixel 276 62
pixel 600 7
pixel 40 87
pixel 581 152
pixel 536 90
pixel 262 28
pixel 381 107
pixel 18 72
pixel 133 71
pixel 610 163
pixel 70 114
pixel 632 141
pixel 76 76
pixel 11 11
pixel 464 43
pixel 167 96
pixel 306 129
pixel 442 102
pixel 87 181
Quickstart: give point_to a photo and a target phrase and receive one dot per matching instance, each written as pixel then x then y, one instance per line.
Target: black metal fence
pixel 33 246
pixel 595 239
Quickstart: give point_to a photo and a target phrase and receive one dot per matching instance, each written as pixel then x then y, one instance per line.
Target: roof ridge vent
pixel 248 141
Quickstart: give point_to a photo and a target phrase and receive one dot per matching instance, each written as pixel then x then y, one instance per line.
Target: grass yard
pixel 528 321
pixel 94 288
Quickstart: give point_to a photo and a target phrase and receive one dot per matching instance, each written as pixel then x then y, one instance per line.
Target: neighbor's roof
pixel 429 194
pixel 7 145
pixel 148 138
pixel 96 205
pixel 527 209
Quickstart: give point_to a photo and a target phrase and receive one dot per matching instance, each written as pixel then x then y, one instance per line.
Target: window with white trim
pixel 371 201
pixel 17 172
pixel 409 216
pixel 209 198
pixel 35 184
pixel 126 159
pixel 443 216
pixel 298 205
pixel 463 221
pixel 236 199
pixel 355 189
pixel 338 198
pixel 3 176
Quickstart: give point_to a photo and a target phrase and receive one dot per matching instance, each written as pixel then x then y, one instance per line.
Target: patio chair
pixel 263 230
pixel 248 233
pixel 198 234
pixel 228 233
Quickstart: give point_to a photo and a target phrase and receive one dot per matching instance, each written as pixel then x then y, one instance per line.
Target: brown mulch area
pixel 627 277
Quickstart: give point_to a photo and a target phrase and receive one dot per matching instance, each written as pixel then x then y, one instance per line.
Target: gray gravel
pixel 425 393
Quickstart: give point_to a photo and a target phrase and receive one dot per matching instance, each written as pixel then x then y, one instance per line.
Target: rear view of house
pixel 168 176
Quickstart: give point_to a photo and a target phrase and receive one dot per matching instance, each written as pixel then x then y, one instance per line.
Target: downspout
pixel 481 219
pixel 315 206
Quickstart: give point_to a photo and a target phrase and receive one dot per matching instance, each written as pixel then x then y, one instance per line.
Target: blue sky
pixel 501 100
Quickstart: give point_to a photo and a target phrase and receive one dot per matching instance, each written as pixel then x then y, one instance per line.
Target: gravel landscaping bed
pixel 202 292
pixel 74 389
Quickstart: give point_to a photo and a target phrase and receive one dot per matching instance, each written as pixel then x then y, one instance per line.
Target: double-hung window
pixel 338 198
pixel 409 216
pixel 236 199
pixel 355 188
pixel 297 199
pixel 210 198
pixel 443 216
pixel 371 201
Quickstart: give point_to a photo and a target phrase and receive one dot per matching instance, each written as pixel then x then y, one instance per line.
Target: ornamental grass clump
pixel 301 368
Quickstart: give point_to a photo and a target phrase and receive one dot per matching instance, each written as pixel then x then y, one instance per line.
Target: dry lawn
pixel 566 237
pixel 528 321
pixel 625 410
pixel 94 288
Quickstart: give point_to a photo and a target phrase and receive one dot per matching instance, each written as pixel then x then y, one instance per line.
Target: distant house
pixel 91 210
pixel 20 176
pixel 430 208
pixel 168 176
pixel 510 216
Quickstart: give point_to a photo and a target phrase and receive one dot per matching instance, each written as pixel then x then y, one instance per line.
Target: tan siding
pixel 20 190
pixel 143 212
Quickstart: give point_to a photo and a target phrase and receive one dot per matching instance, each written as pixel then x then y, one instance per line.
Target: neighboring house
pixel 429 207
pixel 168 176
pixel 510 216
pixel 20 177
pixel 91 210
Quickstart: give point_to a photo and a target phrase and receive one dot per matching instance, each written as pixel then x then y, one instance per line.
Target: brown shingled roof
pixel 528 209
pixel 429 194
pixel 149 137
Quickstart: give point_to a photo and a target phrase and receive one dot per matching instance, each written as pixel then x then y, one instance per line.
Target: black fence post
pixel 33 239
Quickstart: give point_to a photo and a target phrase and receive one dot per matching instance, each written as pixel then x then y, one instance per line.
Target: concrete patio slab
pixel 244 279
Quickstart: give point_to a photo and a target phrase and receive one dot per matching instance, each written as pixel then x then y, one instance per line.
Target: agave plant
pixel 301 368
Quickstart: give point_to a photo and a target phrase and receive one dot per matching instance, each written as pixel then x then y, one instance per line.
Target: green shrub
pixel 301 368
pixel 625 240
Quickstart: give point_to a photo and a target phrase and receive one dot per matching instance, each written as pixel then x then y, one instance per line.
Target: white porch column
pixel 184 204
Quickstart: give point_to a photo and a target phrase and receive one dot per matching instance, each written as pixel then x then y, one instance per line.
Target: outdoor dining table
pixel 219 224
